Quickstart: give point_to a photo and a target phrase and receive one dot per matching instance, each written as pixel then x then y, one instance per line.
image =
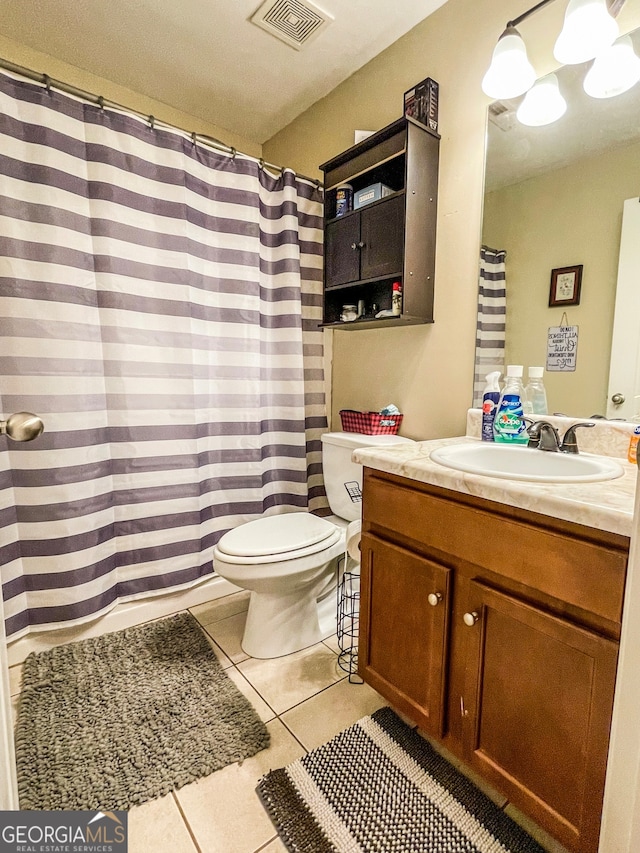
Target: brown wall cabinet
pixel 497 632
pixel 391 239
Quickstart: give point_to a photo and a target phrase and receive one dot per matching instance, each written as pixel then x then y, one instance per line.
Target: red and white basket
pixel 370 423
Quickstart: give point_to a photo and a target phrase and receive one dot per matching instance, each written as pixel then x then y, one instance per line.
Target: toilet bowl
pixel 290 562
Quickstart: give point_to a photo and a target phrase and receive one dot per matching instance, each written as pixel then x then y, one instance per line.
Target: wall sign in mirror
pixel 562 348
pixel 565 286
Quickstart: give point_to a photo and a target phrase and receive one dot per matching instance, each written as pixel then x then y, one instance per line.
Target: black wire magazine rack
pixel 349 619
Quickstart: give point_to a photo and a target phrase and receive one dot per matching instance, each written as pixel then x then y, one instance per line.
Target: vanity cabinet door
pixel 404 616
pixel 536 709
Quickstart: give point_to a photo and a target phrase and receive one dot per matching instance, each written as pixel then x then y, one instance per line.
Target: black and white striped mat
pixel 379 787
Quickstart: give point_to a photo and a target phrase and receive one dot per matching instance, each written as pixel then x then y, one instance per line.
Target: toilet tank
pixel 342 477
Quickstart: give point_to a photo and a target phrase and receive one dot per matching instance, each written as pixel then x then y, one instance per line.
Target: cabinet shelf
pixel 373 323
pixel 390 239
pixel 360 209
pixel 395 275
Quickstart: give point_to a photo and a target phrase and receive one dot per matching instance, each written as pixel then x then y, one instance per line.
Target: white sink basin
pixel 524 463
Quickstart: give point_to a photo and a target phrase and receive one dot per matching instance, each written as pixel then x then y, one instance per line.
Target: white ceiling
pixel 205 57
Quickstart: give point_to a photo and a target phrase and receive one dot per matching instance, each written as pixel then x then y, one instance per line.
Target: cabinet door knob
pixel 361 245
pixel 434 598
pixel 470 619
pixel 354 246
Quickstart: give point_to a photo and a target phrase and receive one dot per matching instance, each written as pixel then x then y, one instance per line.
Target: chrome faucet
pixel 544 436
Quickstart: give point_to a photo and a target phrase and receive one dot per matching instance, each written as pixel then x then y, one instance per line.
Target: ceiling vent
pixel 502 114
pixel 295 22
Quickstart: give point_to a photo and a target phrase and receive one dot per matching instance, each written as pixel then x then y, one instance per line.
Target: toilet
pixel 289 561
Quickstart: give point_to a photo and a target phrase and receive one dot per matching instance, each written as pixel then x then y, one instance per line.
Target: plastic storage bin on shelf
pixel 370 423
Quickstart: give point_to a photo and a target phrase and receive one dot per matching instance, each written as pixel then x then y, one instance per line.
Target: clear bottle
pixel 535 395
pixel 509 426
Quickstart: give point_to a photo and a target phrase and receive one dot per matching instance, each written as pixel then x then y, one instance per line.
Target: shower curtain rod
pixel 99 100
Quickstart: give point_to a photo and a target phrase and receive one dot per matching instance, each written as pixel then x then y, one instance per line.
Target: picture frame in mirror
pixel 566 283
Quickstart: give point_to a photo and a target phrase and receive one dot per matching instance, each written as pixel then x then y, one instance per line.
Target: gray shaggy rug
pixel 111 722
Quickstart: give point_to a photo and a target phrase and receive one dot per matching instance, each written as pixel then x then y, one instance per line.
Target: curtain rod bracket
pixel 152 122
pixel 47 82
pixel 101 102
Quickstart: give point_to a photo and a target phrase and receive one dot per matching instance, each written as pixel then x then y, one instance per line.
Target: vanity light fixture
pixel 543 103
pixel 614 71
pixel 510 73
pixel 589 31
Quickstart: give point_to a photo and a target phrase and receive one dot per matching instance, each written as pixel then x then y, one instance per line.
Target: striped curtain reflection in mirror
pixel 159 309
pixel 492 311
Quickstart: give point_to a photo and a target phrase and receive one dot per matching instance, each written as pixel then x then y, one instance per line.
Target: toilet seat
pixel 277 537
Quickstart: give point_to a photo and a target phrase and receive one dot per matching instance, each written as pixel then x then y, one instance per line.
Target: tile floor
pixel 304 699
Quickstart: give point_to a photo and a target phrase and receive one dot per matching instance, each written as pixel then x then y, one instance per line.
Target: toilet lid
pixel 276 534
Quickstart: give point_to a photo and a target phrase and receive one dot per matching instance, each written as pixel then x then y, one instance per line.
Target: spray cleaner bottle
pixel 509 426
pixel 490 399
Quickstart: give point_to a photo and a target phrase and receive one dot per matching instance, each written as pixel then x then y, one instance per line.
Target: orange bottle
pixel 632 454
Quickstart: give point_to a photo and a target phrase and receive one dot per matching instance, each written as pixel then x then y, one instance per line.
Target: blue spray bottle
pixel 490 399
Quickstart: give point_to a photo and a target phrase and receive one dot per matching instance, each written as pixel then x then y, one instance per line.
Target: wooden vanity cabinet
pixel 512 664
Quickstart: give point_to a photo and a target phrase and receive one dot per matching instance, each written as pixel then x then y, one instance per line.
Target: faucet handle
pixel 544 436
pixel 570 442
pixel 534 433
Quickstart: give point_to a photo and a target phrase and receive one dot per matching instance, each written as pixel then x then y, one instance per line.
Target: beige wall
pixel 426 370
pixel 42 62
pixel 566 217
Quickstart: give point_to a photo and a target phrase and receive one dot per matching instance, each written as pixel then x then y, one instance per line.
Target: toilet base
pixel 279 624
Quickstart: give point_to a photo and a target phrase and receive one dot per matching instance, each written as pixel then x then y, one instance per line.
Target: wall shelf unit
pixel 391 239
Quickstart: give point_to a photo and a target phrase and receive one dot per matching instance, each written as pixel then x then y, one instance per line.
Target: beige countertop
pixel 606 506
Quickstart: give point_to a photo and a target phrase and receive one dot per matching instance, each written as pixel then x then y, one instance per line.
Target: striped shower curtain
pixel 159 309
pixel 492 311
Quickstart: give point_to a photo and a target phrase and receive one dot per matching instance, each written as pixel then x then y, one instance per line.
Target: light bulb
pixel 614 71
pixel 543 103
pixel 588 28
pixel 510 73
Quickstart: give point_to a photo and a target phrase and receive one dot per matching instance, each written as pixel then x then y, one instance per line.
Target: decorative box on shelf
pixel 421 103
pixel 374 192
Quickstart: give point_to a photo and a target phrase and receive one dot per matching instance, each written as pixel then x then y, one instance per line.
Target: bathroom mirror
pixel 554 198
